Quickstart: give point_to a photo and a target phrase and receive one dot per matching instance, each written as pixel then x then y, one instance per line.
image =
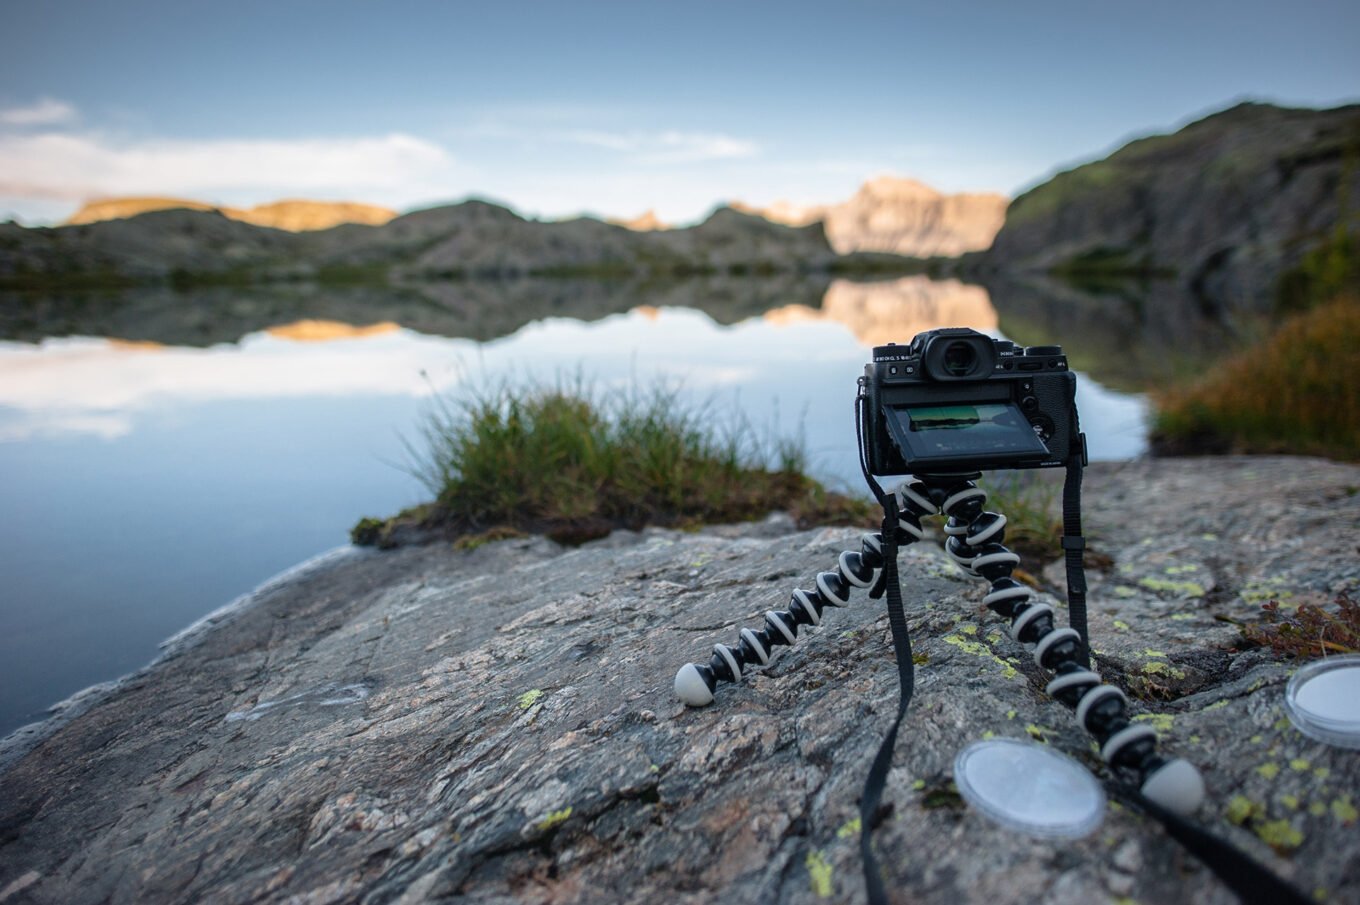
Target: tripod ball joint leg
pixel 695 684
pixel 975 543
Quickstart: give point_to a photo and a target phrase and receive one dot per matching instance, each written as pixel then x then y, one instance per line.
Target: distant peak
pixel 292 214
pixel 120 208
pixel 897 215
pixel 648 221
pixel 899 187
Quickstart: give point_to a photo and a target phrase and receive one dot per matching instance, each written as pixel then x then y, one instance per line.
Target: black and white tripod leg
pixel 695 683
pixel 975 543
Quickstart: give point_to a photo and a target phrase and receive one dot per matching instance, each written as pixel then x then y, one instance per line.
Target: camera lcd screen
pixel 964 433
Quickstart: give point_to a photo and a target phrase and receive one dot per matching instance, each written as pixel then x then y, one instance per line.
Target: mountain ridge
pixel 291 214
pixel 471 238
pixel 1225 206
pixel 889 214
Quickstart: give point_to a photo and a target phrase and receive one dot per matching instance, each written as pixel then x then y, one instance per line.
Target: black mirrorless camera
pixel 956 400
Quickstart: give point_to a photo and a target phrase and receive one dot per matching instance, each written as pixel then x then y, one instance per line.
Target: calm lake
pixel 162 453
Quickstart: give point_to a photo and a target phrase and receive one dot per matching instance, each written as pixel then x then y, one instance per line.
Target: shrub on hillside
pixel 1296 392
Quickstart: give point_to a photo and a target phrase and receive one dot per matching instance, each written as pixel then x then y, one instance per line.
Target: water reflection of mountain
pixel 472 309
pixel 879 312
pixel 1128 336
pixel 896 310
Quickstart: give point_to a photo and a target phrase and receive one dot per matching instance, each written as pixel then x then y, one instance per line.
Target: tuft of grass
pixel 1294 392
pixel 367 532
pixel 574 463
pixel 1310 631
pixel 1032 506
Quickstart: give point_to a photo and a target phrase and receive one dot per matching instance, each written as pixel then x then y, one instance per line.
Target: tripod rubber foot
pixel 691 688
pixel 1176 786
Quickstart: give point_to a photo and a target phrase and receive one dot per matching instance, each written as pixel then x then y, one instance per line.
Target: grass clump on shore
pixel 1294 392
pixel 574 463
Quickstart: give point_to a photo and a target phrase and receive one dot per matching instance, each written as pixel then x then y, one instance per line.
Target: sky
pixel 558 109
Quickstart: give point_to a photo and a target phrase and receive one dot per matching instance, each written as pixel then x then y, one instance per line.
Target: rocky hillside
pixel 292 214
pixel 900 216
pixel 474 238
pixel 477 237
pixel 1224 206
pixel 498 725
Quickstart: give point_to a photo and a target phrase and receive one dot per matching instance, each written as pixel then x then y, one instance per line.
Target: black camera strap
pixel 1073 545
pixel 906 679
pixel 1254 883
pixel 888 585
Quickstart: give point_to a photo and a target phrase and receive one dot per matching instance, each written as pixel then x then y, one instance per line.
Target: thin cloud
pixel 670 146
pixel 63 166
pixel 691 147
pixel 46 112
pixel 648 147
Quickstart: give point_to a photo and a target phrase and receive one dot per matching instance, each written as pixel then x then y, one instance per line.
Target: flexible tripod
pixel 974 542
pixel 1167 790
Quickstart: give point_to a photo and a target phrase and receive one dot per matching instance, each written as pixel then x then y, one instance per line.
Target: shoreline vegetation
pixel 1295 391
pixel 575 463
pixel 870 265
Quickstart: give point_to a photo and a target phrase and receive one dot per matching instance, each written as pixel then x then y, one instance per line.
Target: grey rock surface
pixel 498 725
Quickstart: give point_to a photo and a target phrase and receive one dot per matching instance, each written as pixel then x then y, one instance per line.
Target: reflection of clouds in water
pixel 23 425
pixel 96 386
pixel 896 310
pixel 69 379
pixel 798 359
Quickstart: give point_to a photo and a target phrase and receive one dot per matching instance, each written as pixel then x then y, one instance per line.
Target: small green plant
pixel 368 532
pixel 574 463
pixel 1310 631
pixel 1029 500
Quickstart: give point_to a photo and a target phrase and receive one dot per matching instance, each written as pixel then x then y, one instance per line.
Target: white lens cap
pixel 1323 700
pixel 1030 788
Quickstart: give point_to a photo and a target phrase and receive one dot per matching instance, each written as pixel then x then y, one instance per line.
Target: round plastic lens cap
pixel 1029 788
pixel 1323 700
